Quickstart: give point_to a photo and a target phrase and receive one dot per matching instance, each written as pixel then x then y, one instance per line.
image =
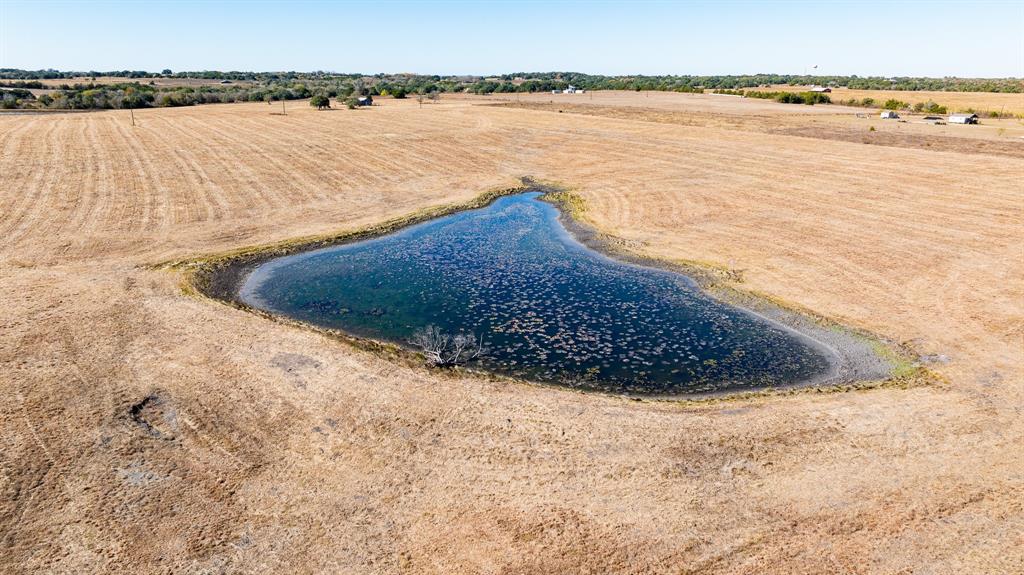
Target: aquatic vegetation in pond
pixel 549 308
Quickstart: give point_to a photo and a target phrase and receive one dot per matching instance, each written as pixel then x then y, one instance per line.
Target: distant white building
pixel 570 90
pixel 889 115
pixel 963 119
pixel 822 89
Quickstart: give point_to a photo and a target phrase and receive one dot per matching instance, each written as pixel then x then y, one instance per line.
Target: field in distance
pixel 162 82
pixel 1007 103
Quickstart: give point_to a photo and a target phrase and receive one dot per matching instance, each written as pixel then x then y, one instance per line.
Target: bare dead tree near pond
pixel 445 350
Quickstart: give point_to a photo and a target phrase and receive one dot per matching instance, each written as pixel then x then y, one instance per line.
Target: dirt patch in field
pixel 156 416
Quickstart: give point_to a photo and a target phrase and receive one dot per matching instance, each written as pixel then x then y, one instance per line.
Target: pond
pixel 549 308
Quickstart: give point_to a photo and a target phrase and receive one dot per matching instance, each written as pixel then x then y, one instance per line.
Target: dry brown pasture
pixel 52 84
pixel 146 430
pixel 161 82
pixel 992 137
pixel 955 101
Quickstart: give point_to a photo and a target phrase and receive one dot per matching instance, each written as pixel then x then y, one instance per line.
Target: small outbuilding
pixel 963 119
pixel 364 101
pixel 821 89
pixel 889 115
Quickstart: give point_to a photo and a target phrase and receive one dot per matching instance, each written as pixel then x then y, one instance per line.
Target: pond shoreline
pixel 221 276
pixel 855 358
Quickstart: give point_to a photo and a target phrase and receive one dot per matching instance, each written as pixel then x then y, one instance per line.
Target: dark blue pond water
pixel 549 308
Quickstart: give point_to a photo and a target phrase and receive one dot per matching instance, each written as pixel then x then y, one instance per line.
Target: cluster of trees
pixel 30 84
pixel 929 107
pixel 866 102
pixel 137 95
pixel 894 104
pixel 122 96
pixel 809 98
pixel 50 74
pixel 10 99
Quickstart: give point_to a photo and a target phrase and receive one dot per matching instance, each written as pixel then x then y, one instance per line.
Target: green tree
pixel 320 102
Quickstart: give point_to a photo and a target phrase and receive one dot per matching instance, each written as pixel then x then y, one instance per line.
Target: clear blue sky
pixel 908 38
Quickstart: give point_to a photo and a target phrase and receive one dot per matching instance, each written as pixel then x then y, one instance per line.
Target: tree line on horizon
pixel 139 89
pixel 541 81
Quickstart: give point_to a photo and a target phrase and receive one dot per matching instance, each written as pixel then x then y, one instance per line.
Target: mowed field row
pixel 115 182
pixel 146 430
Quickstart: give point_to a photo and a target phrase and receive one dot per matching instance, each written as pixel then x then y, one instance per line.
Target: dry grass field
pixel 161 82
pixel 954 101
pixel 706 104
pixel 53 84
pixel 146 430
pixel 833 122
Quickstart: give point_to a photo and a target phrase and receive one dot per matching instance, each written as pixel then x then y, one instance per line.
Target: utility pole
pixel 129 98
pixel 283 111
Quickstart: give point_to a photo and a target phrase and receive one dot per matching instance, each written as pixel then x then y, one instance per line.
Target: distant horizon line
pixel 109 72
